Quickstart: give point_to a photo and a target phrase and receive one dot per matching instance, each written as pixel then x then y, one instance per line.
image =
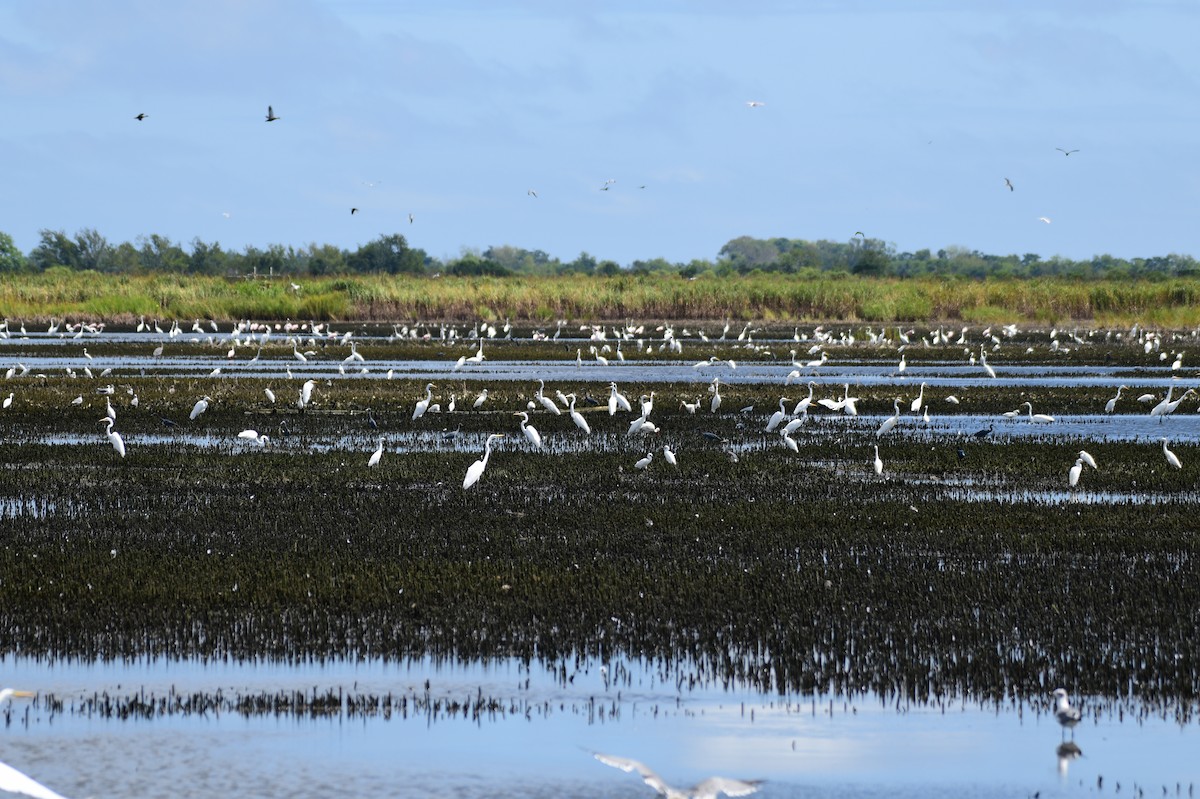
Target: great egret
pixel 789 442
pixel 376 456
pixel 270 395
pixel 1171 457
pixel 647 404
pixel 254 436
pixel 577 417
pixel 636 425
pixel 1111 405
pixel 547 403
pixel 644 462
pixel 8 401
pixel 803 405
pixel 878 462
pixel 1066 715
pixel 915 405
pixel 531 434
pixel 114 438
pixel 200 407
pixel 306 391
pixel 891 421
pixel 617 401
pixel 669 456
pixel 423 405
pixel 1087 458
pixel 690 407
pixel 777 417
pixel 716 398
pixel 13 781
pixel 482 398
pixel 1073 475
pixel 1168 406
pixel 705 789
pixel 475 471
pixel 1042 418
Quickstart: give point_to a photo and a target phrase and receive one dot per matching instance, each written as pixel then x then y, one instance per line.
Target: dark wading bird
pixel 271 114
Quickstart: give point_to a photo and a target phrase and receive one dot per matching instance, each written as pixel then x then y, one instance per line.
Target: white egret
pixel 622 403
pixel 878 463
pixel 902 365
pixel 705 789
pixel 1144 398
pixel 109 410
pixel 1111 405
pixel 482 398
pixel 669 456
pixel 254 436
pixel 643 463
pixel 953 400
pixel 1171 457
pixel 475 471
pixel 915 405
pixel 1042 418
pixel 1073 475
pixel 376 456
pixel 200 407
pixel 577 417
pixel 777 417
pixel 423 405
pixel 270 395
pixel 114 438
pixel 306 392
pixel 636 425
pixel 690 407
pixel 789 441
pixel 13 781
pixel 450 408
pixel 716 398
pixel 547 403
pixel 1066 715
pixel 530 432
pixel 1168 406
pixel 647 404
pixel 8 401
pixel 803 405
pixel 1087 458
pixel 891 421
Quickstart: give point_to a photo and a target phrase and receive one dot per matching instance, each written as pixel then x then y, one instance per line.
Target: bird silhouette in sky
pixel 140 117
pixel 271 114
pixel 1065 152
pixel 353 211
pixel 1008 183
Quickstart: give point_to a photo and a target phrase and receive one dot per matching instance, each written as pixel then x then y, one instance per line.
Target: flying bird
pixel 705 789
pixel 531 193
pixel 754 103
pixel 1065 152
pixel 1008 183
pixel 410 219
pixel 353 211
pixel 271 114
pixel 1045 219
pixel 140 117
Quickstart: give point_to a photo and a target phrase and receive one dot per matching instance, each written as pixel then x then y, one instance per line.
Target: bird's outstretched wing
pixel 14 781
pixel 628 764
pixel 715 786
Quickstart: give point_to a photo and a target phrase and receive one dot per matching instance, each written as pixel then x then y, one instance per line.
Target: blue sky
pixel 900 118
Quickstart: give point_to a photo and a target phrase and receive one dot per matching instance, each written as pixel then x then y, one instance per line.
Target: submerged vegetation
pixel 965 569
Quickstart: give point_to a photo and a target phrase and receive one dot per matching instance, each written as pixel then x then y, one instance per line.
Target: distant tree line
pixel 390 254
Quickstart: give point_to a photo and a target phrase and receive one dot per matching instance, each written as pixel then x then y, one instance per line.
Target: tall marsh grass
pixel 540 300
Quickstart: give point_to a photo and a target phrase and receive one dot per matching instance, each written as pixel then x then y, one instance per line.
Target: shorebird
pixel 705 789
pixel 1067 716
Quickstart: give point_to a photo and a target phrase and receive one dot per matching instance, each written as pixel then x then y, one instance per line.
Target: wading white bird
pixel 803 405
pixel 1087 458
pixel 270 395
pixel 716 398
pixel 577 417
pixel 531 433
pixel 13 781
pixel 1168 406
pixel 423 405
pixel 1171 457
pixel 255 437
pixel 777 417
pixel 1066 715
pixel 1073 475
pixel 891 421
pixel 200 407
pixel 306 392
pixel 482 398
pixel 1111 405
pixel 8 401
pixel 475 471
pixel 709 788
pixel 547 403
pixel 915 405
pixel 644 462
pixel 1042 418
pixel 376 456
pixel 669 456
pixel 878 462
pixel 114 438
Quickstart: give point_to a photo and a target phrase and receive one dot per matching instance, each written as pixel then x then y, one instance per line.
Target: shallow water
pixel 825 747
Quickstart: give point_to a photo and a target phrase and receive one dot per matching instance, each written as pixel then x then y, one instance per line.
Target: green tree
pixel 387 254
pixel 54 249
pixel 11 259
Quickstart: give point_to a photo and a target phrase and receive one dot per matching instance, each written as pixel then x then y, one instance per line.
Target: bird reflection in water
pixel 1066 752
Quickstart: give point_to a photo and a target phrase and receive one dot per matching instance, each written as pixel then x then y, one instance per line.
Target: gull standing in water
pixel 705 789
pixel 1067 716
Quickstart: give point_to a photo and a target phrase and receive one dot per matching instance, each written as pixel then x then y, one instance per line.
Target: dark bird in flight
pixel 1065 152
pixel 859 233
pixel 531 193
pixel 353 211
pixel 410 219
pixel 1008 183
pixel 271 114
pixel 140 117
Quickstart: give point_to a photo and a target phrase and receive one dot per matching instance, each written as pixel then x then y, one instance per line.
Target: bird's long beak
pixel 24 694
